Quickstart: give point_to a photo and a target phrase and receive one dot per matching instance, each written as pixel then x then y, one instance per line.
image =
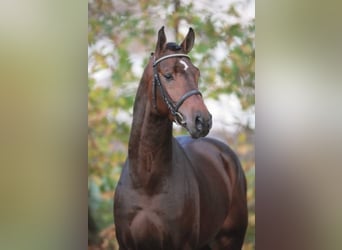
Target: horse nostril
pixel 199 122
pixel 210 122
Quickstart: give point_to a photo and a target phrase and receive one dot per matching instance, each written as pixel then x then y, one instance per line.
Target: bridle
pixel 172 106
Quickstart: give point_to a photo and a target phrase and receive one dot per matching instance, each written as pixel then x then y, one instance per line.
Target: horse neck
pixel 150 144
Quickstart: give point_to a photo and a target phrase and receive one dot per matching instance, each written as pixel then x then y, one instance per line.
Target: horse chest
pixel 172 201
pixel 170 217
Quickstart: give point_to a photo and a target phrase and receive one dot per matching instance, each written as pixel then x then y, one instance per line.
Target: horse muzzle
pixel 200 126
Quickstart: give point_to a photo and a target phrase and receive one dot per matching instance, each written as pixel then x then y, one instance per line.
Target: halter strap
pixel 173 107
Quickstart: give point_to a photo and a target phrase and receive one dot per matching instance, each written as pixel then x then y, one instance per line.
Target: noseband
pixel 173 107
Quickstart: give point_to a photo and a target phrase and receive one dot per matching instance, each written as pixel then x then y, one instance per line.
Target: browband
pixel 169 56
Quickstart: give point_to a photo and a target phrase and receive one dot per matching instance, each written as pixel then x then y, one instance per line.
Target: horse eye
pixel 168 76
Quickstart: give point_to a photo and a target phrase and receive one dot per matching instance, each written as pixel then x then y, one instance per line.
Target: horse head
pixel 175 91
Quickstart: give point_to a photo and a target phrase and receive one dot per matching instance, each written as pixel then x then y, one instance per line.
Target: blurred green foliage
pixel 119 29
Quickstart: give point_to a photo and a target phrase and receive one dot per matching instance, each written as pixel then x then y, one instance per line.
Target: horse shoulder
pixel 216 169
pixel 209 156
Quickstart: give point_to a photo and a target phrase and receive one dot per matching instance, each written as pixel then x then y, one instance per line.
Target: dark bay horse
pixel 177 193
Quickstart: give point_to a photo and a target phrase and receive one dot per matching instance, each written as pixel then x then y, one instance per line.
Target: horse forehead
pixel 186 66
pixel 177 64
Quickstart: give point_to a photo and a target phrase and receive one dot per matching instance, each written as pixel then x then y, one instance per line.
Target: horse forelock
pixel 173 46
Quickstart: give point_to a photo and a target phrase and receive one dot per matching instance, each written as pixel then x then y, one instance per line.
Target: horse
pixel 178 193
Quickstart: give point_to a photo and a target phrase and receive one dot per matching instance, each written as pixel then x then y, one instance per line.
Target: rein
pixel 172 106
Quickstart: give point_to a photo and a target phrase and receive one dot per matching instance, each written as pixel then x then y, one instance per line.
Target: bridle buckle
pixel 179 119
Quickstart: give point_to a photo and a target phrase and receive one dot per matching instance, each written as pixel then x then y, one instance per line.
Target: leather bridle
pixel 172 106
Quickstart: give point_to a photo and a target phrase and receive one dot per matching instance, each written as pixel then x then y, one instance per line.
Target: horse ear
pixel 188 41
pixel 161 40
